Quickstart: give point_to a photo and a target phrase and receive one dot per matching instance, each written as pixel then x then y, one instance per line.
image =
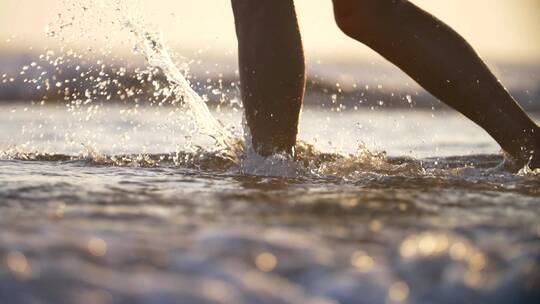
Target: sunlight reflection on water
pixel 158 230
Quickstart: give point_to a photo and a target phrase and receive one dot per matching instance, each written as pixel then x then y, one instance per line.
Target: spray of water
pixel 86 103
pixel 151 44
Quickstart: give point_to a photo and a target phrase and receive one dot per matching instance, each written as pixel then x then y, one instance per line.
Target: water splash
pixel 157 55
pixel 179 92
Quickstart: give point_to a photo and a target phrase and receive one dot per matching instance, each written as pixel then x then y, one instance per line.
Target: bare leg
pixel 272 71
pixel 444 64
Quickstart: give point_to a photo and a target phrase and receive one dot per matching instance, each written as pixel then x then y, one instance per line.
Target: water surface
pixel 133 206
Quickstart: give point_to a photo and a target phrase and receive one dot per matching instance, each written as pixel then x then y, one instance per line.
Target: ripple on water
pixel 196 228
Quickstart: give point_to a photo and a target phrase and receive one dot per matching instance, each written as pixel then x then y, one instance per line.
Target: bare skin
pixel 425 48
pixel 272 72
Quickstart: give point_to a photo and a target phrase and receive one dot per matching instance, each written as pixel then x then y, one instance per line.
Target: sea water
pixel 166 203
pixel 110 224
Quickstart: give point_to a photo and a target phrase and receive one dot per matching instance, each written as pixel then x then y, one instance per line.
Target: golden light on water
pixel 477 262
pixel 424 244
pixel 18 264
pixel 218 291
pixel 398 291
pixel 402 207
pixel 458 249
pixel 97 247
pixel 427 245
pixel 266 261
pixel 473 279
pixel 350 202
pixel 362 261
pixel 375 225
pixel 458 254
pixel 408 248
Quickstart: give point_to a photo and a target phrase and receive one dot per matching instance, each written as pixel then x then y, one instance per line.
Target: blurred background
pixel 504 32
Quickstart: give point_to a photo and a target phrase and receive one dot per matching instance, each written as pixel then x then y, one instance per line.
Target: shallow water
pixel 120 202
pixel 127 207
